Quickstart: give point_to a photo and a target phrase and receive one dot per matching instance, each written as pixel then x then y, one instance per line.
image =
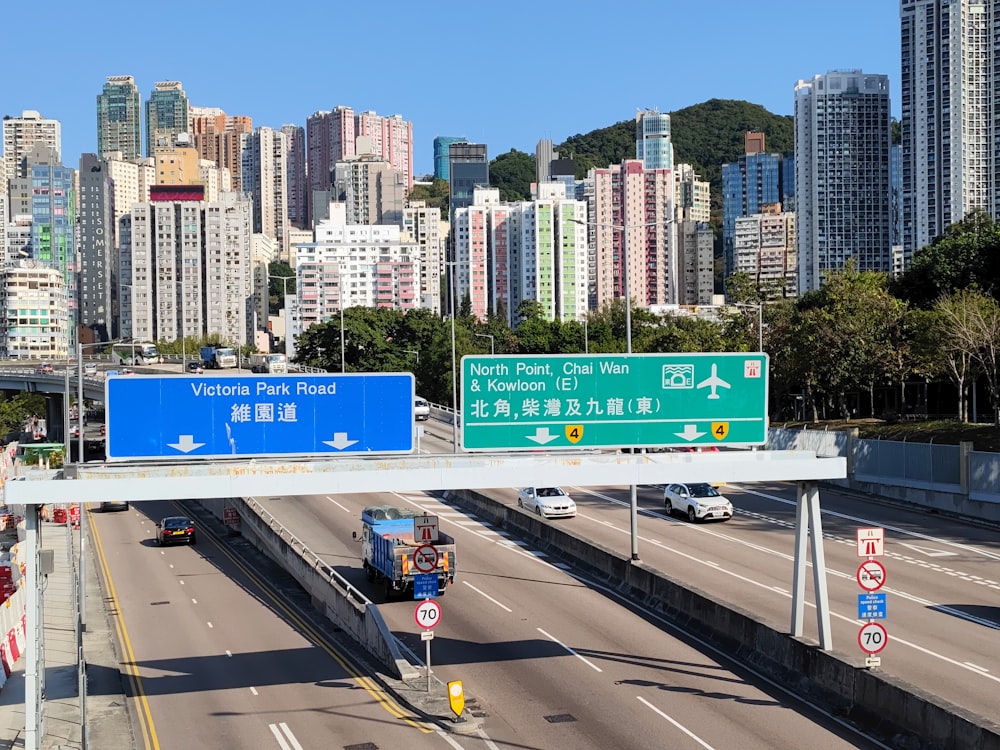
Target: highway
pixel 217 660
pixel 553 662
pixel 942 575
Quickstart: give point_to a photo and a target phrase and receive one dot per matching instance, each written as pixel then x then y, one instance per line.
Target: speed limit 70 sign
pixel 427 614
pixel 872 638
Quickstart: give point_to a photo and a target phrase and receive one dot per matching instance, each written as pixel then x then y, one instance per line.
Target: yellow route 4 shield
pixel 720 430
pixel 574 432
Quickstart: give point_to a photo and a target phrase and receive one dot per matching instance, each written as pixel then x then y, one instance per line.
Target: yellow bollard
pixel 456 697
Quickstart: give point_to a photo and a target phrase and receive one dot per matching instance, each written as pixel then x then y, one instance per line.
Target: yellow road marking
pixel 367 683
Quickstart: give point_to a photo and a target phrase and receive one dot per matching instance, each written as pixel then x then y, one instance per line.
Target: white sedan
pixel 549 502
pixel 700 501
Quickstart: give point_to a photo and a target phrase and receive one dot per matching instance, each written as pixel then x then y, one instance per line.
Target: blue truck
pixel 388 548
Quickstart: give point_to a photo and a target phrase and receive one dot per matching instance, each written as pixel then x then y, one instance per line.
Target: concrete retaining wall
pixel 890 708
pixel 342 604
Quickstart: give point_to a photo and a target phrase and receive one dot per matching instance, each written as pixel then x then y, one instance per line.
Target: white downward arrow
pixel 185 444
pixel 690 432
pixel 542 436
pixel 339 441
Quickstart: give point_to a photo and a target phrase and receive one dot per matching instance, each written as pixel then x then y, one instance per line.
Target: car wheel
pixel 369 573
pixel 388 589
pixel 691 516
pixel 126 506
pixel 193 539
pixel 668 507
pixel 520 502
pixel 538 509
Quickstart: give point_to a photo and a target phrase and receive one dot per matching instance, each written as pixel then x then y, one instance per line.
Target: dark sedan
pixel 175 529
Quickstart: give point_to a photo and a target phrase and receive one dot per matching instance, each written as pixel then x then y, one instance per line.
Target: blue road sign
pixel 871 606
pixel 425 586
pixel 217 416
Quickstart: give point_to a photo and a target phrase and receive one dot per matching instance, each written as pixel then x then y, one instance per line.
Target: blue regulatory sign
pixel 425 586
pixel 871 606
pixel 218 416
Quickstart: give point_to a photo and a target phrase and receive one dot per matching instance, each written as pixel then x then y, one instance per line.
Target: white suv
pixel 699 501
pixel 421 409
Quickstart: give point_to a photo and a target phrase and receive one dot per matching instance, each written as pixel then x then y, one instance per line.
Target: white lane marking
pixel 976 666
pixel 254 690
pixel 830 571
pixel 182 582
pixel 194 601
pixel 282 729
pixel 930 552
pixel 852 620
pixel 677 724
pixel 229 653
pixel 211 625
pixel 347 510
pixel 556 640
pixel 869 522
pixel 487 596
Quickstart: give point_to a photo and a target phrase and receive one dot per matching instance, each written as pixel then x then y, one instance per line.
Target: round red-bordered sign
pixel 872 638
pixel 427 614
pixel 425 558
pixel 871 575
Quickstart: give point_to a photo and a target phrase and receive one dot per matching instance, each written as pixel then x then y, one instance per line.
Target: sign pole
pixel 428 662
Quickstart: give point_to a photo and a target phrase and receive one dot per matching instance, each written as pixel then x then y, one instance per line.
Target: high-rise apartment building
pixel 509 253
pixel 765 249
pixel 119 117
pixel 33 306
pixel 48 195
pixel 633 239
pixel 218 137
pixel 264 176
pixel 441 144
pixel 332 137
pixel 653 146
pixel 950 115
pixel 423 225
pixel 185 267
pixel 693 196
pixel 98 259
pixel 391 138
pixel 696 267
pixel 372 190
pixel 843 209
pixel 167 116
pixel 755 180
pixel 297 178
pixel 20 134
pixel 351 265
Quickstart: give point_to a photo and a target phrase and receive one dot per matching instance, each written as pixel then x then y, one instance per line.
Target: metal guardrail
pixel 315 562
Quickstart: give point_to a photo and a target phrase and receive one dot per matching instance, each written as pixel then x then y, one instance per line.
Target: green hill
pixel 705 135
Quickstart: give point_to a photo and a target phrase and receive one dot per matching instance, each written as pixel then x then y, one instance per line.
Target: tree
pixel 972 326
pixel 513 173
pixel 435 195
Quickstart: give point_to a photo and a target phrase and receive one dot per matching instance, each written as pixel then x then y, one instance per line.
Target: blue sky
pixel 503 74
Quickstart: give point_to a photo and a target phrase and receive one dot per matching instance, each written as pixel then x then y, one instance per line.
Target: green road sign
pixel 613 401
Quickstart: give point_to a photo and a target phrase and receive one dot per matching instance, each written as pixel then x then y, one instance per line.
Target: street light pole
pixel 454 377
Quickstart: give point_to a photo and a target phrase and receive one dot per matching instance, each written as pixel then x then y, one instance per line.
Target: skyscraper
pixel 118 118
pixel 167 115
pixel 843 209
pixel 441 144
pixel 218 137
pixel 950 115
pixel 298 179
pixel 750 183
pixel 468 168
pixel 98 260
pixel 264 177
pixel 20 134
pixel 652 140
